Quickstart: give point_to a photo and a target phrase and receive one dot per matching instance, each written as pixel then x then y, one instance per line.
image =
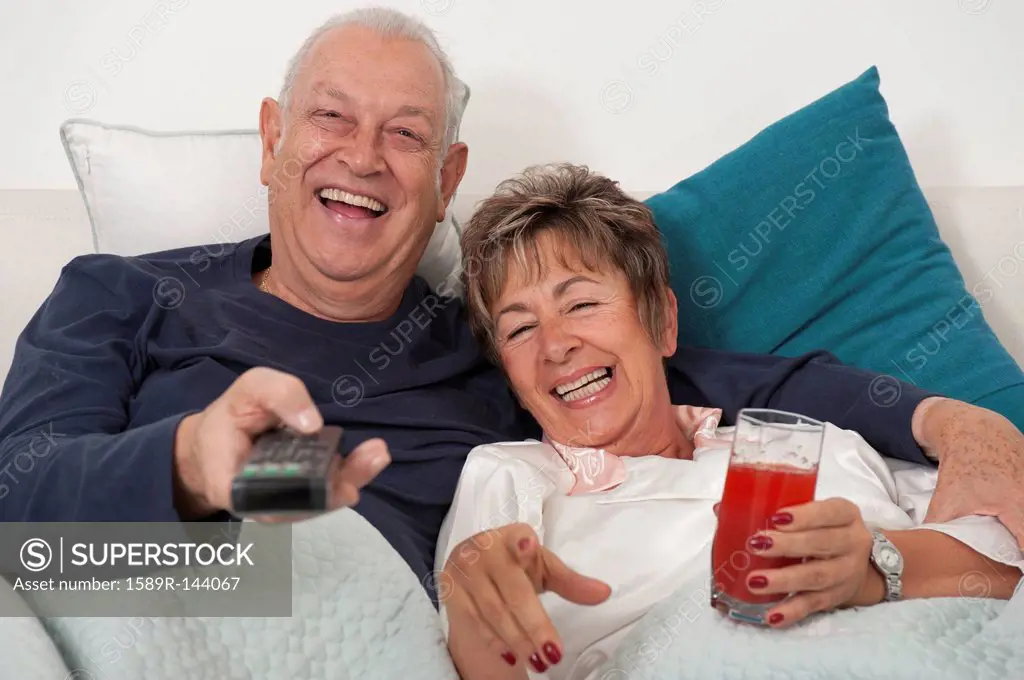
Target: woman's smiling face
pixel 573 346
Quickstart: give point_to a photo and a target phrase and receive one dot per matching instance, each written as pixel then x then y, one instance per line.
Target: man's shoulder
pixel 118 274
pixel 115 272
pixel 687 357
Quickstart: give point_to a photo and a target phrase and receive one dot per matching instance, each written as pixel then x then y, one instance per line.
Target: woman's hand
pixel 495 578
pixel 839 573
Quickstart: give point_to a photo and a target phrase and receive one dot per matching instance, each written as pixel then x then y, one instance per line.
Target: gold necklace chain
pixel 263 281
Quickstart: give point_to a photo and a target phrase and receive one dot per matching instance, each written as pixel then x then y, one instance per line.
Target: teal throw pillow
pixel 815 235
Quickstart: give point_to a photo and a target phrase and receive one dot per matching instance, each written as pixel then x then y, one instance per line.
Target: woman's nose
pixel 558 342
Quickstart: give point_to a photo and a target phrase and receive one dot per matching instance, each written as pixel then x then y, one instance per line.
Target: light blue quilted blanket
pixel 964 637
pixel 360 613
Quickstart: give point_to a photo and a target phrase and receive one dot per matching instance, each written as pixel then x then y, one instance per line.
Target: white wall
pixel 552 79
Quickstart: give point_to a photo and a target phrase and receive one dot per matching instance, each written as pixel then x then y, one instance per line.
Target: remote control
pixel 288 473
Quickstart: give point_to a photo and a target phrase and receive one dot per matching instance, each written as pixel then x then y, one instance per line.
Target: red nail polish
pixel 537 664
pixel 757 582
pixel 775 618
pixel 509 658
pixel 782 518
pixel 523 544
pixel 551 651
pixel 760 543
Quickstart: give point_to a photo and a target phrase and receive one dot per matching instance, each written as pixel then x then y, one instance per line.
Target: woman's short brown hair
pixel 594 217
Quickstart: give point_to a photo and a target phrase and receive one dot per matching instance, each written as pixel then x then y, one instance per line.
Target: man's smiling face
pixel 354 163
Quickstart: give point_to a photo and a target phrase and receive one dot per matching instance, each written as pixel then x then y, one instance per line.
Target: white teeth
pixel 580 382
pixel 352 199
pixel 591 389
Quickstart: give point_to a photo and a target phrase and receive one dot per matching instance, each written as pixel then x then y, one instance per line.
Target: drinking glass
pixel 773 465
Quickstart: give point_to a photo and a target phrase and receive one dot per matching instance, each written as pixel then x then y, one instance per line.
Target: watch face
pixel 889 558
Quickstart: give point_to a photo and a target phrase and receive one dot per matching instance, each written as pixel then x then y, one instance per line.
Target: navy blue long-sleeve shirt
pixel 124 348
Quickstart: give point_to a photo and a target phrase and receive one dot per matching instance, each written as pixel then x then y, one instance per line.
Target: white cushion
pixel 149 191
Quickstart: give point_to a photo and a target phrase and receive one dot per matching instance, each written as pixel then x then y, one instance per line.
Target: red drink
pixel 753 493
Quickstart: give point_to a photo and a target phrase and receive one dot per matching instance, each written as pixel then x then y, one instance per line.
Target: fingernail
pixel 537 664
pixel 757 582
pixel 551 651
pixel 782 518
pixel 509 658
pixel 523 544
pixel 775 618
pixel 760 543
pixel 307 420
pixel 379 462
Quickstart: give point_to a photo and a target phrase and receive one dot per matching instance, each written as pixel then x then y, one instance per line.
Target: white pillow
pixel 149 191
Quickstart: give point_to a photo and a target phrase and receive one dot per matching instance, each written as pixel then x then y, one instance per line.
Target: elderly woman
pixel 568 289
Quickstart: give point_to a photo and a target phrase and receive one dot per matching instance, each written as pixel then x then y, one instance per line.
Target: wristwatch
pixel 886 558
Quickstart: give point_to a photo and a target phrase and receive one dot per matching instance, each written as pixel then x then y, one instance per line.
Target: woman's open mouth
pixel 352 206
pixel 585 386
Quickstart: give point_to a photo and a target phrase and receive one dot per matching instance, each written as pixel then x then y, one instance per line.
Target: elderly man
pixel 140 413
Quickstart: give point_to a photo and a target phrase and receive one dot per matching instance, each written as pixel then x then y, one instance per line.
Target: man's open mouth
pixel 350 205
pixel 584 386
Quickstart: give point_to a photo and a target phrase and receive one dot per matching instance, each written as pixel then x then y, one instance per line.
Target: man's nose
pixel 558 341
pixel 361 153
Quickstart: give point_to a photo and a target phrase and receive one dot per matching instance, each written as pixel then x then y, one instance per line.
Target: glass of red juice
pixel 773 465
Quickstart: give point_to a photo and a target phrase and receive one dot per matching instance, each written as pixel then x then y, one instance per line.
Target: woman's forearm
pixel 474 659
pixel 938 565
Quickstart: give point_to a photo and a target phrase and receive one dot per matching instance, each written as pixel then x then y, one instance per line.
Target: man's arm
pixel 981 462
pixel 944 425
pixel 65 454
pixel 879 407
pixel 980 453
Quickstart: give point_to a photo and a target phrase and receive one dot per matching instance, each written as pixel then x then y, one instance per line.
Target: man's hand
pixel 211 446
pixel 981 462
pixel 496 577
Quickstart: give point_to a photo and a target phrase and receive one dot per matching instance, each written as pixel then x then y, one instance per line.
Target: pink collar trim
pixel 597 470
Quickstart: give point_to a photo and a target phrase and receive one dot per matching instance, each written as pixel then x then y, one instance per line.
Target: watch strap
pixel 893 588
pixel 893 579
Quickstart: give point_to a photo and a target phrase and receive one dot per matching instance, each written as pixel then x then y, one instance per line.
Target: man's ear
pixel 670 332
pixel 452 171
pixel 270 136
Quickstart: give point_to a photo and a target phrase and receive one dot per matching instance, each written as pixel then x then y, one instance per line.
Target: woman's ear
pixel 670 329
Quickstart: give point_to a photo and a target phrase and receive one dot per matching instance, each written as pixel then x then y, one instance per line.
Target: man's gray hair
pixel 388 23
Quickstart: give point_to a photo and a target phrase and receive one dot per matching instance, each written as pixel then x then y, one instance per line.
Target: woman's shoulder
pixel 529 451
pixel 530 455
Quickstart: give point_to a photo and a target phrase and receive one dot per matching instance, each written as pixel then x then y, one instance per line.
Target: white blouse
pixel 654 530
